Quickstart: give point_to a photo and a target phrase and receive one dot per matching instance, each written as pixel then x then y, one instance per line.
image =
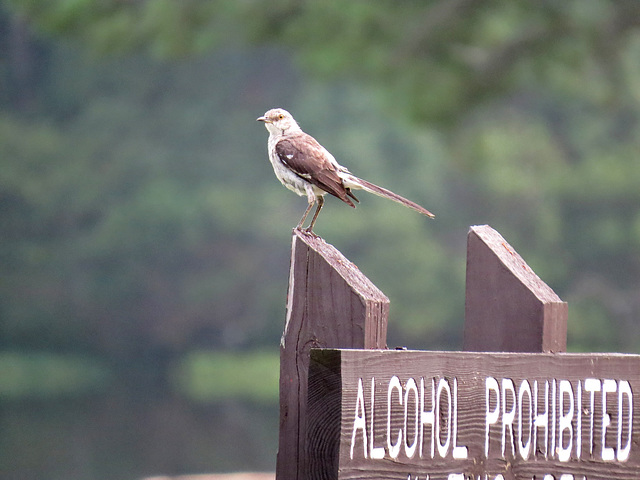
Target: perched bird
pixel 307 168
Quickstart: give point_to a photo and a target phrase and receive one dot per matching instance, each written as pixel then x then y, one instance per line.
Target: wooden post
pixel 330 304
pixel 508 308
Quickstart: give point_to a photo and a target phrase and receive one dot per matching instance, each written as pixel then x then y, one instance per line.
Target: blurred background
pixel 144 239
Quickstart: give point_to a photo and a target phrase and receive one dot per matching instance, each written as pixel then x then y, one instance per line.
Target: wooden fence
pixel 511 406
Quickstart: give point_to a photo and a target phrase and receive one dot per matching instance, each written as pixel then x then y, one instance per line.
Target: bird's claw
pixel 307 231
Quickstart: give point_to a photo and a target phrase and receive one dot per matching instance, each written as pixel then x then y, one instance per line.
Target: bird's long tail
pixel 358 183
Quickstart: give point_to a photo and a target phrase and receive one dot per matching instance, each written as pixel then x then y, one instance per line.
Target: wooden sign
pixel 408 415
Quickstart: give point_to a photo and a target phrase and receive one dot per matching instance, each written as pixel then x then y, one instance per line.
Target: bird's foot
pixel 307 231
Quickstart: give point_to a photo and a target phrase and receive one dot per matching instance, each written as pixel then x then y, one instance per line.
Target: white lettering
pixel 359 422
pixel 523 448
pixel 624 389
pixel 459 452
pixel 508 416
pixel 410 450
pixel 376 453
pixel 427 416
pixel 591 385
pixel 565 390
pixel 491 416
pixel 559 412
pixel 553 417
pixel 541 420
pixel 608 386
pixel 394 449
pixel 579 421
pixel 443 385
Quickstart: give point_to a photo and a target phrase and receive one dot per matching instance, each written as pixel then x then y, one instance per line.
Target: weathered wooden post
pixel 330 304
pixel 508 308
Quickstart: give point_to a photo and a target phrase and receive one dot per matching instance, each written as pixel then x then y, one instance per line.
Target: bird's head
pixel 279 121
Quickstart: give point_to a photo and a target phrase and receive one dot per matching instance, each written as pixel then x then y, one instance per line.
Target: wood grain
pixel 341 369
pixel 508 308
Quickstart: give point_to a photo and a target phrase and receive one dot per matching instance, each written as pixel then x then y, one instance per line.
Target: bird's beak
pixel 263 119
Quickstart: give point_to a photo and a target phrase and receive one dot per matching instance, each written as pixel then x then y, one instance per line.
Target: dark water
pixel 117 437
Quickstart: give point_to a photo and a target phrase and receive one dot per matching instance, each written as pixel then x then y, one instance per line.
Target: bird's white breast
pixel 289 179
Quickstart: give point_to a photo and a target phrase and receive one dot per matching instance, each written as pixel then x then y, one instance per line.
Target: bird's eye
pixel 280 117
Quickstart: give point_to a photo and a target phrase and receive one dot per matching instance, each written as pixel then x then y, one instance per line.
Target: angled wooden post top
pixel 330 292
pixel 508 307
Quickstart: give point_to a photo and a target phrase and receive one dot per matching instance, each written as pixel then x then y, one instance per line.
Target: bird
pixel 308 169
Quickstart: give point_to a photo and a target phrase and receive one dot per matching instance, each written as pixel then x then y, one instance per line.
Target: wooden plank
pixel 464 415
pixel 508 308
pixel 330 303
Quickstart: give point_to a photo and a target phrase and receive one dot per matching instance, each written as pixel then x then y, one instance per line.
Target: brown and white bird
pixel 307 168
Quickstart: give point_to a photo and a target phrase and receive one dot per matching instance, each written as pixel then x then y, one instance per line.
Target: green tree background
pixel 145 240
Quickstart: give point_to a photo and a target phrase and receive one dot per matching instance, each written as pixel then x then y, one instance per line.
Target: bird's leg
pixel 312 200
pixel 309 229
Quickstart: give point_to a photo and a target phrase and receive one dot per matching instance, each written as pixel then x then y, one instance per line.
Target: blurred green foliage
pixel 45 375
pixel 141 220
pixel 206 376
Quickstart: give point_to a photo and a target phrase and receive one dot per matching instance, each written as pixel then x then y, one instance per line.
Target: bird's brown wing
pixel 308 159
